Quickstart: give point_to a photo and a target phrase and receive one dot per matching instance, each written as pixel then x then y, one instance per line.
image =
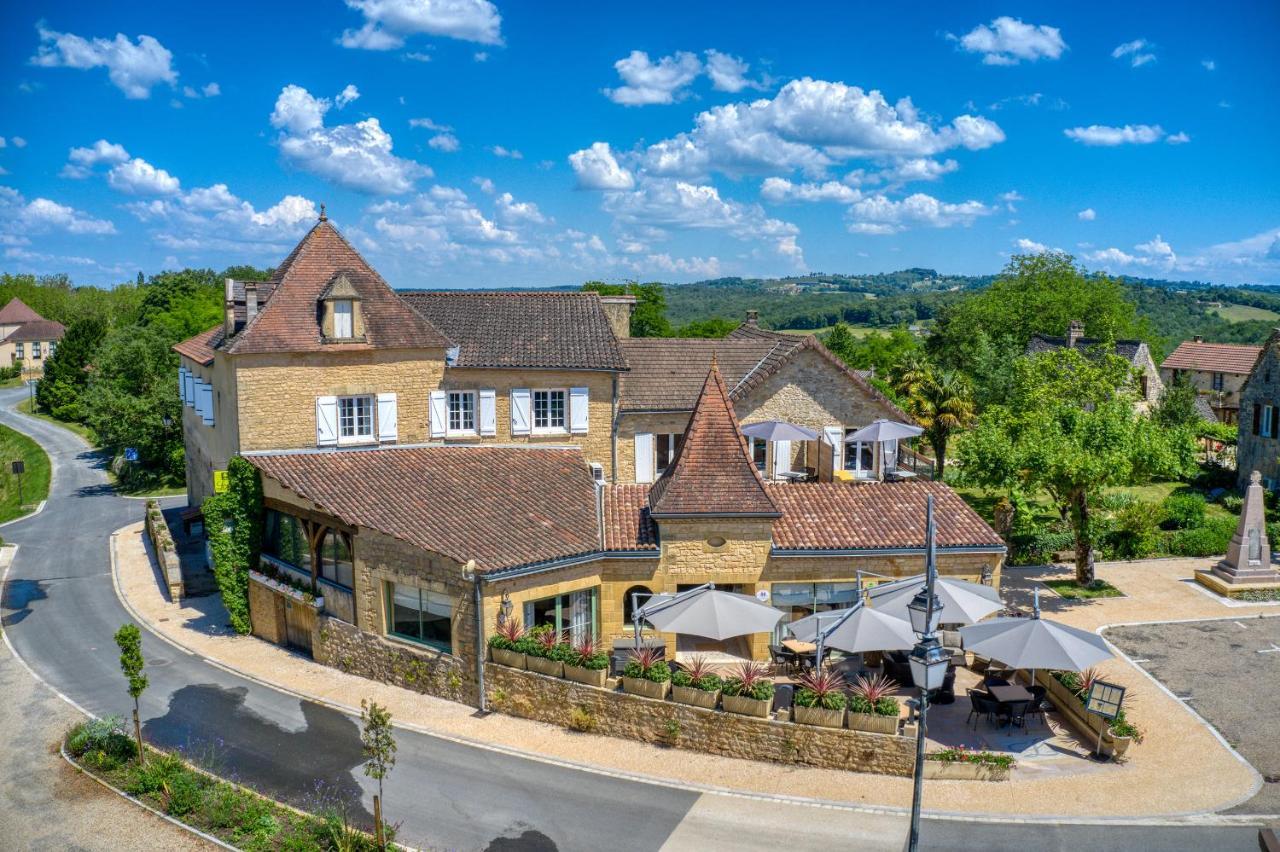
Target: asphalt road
pixel 60 610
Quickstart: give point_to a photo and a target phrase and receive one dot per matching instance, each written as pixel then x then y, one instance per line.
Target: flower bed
pixel 961 764
pixel 696 684
pixel 289 587
pixel 749 691
pixel 646 674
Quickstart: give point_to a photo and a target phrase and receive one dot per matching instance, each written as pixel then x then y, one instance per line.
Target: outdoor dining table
pixel 1010 694
pixel 798 647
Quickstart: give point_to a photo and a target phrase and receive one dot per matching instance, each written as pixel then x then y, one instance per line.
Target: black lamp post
pixel 928 660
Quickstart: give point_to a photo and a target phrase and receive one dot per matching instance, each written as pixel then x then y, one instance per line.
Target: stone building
pixel 1258 446
pixel 416 550
pixel 1217 371
pixel 1146 382
pixel 26 338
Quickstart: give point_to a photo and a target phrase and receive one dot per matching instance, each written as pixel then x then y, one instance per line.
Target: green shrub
pixel 1233 503
pixel 103 743
pixel 1135 533
pixel 830 701
pixel 1183 511
pixel 233 525
pixel 1039 543
pixel 1209 540
pixel 707 683
pixel 582 719
pixel 183 794
pixel 884 707
pixel 1115 501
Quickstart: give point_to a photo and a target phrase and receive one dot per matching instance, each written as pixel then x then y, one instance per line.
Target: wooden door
pixel 298 619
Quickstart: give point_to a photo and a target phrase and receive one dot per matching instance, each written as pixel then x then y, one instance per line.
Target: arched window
pixel 628 601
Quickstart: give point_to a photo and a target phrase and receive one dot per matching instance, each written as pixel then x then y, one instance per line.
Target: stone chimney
pixel 619 309
pixel 1197 339
pixel 229 309
pixel 250 301
pixel 1075 331
pixel 753 318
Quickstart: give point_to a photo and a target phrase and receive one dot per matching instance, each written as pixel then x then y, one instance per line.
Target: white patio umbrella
pixel 778 430
pixel 883 430
pixel 855 630
pixel 1035 643
pixel 962 602
pixel 709 613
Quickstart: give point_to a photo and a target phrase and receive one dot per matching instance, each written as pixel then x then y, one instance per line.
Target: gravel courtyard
pixel 1227 670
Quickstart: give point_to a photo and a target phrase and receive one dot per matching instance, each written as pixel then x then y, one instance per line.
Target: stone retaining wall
pixel 166 550
pixel 558 701
pixel 349 649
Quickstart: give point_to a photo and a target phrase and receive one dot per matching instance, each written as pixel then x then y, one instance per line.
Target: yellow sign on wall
pixel 220 481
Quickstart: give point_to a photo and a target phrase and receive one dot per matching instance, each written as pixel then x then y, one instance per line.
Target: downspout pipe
pixel 469 572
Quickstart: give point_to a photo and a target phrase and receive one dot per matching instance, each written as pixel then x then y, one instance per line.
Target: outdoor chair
pixel 994 678
pixel 783 660
pixel 783 696
pixel 981 704
pixel 946 694
pixel 1036 708
pixel 897 667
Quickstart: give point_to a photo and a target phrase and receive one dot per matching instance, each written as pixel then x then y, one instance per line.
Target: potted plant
pixel 820 700
pixel 961 764
pixel 504 646
pixel 646 674
pixel 871 707
pixel 695 683
pixel 589 664
pixel 749 691
pixel 549 653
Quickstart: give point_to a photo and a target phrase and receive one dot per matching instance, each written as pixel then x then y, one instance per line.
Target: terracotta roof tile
pixel 289 322
pixel 501 506
pixel 1213 357
pixel 1129 350
pixel 200 348
pixel 42 329
pixel 712 473
pixel 627 525
pixel 523 329
pixel 17 312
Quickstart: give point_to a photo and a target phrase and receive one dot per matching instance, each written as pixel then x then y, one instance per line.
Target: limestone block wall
pixel 632 423
pixel 417 667
pixel 812 392
pixel 266 613
pixel 596 444
pixel 1254 452
pixel 209 448
pixel 277 393
pixel 165 550
pixel 554 700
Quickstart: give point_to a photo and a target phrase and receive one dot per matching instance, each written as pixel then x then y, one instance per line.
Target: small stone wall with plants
pixel 1068 691
pixel 166 550
pixel 421 669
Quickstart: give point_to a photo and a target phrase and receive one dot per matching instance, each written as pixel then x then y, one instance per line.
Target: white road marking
pixel 1140 661
pixel 1241 626
pixel 1272 650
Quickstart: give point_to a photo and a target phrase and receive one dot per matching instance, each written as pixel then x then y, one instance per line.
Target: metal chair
pixel 783 660
pixel 981 704
pixel 1036 708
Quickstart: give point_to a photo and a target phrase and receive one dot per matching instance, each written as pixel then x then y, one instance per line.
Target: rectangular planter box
pixel 696 697
pixel 645 687
pixel 873 723
pixel 747 706
pixel 820 716
pixel 591 677
pixel 507 657
pixel 1085 723
pixel 941 771
pixel 542 665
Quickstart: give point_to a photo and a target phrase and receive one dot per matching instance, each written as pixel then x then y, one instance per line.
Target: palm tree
pixel 910 373
pixel 942 403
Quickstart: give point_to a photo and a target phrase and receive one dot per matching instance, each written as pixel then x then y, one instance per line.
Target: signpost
pixel 19 467
pixel 130 454
pixel 1104 699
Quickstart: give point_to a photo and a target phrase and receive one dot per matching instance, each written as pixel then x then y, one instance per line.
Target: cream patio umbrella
pixel 962 601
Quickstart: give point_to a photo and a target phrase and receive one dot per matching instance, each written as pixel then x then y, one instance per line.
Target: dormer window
pixel 341 320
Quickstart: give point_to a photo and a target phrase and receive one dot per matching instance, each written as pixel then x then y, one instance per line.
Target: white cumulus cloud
pixel 648 82
pixel 781 189
pixel 1008 41
pixel 1139 52
pixel 82 160
pixel 138 177
pixel 597 168
pixel 729 73
pixel 879 214
pixel 133 67
pixel 19 217
pixel 1087 215
pixel 1130 134
pixel 387 23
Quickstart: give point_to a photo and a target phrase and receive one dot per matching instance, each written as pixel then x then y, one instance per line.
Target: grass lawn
pixel 1071 590
pixel 158 491
pixel 79 428
pixel 856 330
pixel 984 502
pixel 35 481
pixel 1244 313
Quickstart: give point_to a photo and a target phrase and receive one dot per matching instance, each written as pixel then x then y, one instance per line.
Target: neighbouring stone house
pixel 420 548
pixel 1146 383
pixel 1258 446
pixel 26 338
pixel 1217 371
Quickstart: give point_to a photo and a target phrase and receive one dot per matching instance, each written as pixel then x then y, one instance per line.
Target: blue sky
pixel 498 144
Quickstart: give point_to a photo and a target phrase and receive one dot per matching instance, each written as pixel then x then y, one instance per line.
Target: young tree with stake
pixel 129 639
pixel 379 744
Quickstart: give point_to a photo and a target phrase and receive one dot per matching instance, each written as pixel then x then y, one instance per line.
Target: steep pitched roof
pixel 202 346
pixel 1130 350
pixel 626 522
pixel 289 322
pixel 712 473
pixel 1212 357
pixel 17 312
pixel 501 506
pixel 39 329
pixel 523 329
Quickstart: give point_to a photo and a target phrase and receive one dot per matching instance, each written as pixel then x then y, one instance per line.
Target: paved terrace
pixel 1181 769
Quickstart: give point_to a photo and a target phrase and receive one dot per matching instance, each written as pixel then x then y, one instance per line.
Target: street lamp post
pixel 929 661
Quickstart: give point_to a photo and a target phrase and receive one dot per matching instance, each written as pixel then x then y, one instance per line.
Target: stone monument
pixel 1247 564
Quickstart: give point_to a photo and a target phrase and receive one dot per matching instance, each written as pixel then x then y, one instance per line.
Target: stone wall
pixel 165 549
pixel 266 614
pixel 416 667
pixel 555 700
pixel 1254 452
pixel 812 392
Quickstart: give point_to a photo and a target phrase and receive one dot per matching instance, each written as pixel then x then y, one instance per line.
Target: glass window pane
pixel 405 612
pixel 342 319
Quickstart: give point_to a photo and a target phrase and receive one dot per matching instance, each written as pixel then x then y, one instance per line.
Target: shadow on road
pixel 17 598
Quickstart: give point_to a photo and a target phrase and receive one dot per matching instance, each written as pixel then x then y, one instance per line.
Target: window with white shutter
pixel 388 428
pixel 644 457
pixel 520 411
pixel 355 420
pixel 205 402
pixel 578 410
pixel 781 457
pixel 835 439
pixel 190 398
pixel 439 413
pixel 488 413
pixel 326 421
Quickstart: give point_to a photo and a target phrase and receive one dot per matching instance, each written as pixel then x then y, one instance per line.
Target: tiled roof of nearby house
pixel 201 347
pixel 17 312
pixel 523 329
pixel 712 473
pixel 501 506
pixel 1212 357
pixel 837 516
pixel 289 322
pixel 627 525
pixel 1130 350
pixel 40 329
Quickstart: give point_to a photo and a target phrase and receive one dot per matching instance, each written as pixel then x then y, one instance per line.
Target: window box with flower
pixel 646 674
pixel 749 691
pixel 589 664
pixel 696 684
